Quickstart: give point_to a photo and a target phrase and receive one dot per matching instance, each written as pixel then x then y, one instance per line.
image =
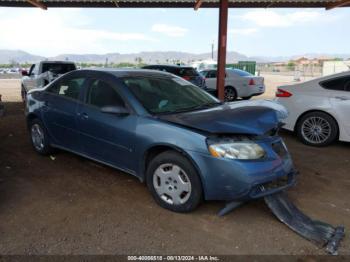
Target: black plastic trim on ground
pixel 320 233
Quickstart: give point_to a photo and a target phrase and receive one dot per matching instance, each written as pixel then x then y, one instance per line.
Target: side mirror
pixel 24 73
pixel 116 110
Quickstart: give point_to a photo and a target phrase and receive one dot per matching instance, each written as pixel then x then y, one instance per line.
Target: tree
pixel 291 65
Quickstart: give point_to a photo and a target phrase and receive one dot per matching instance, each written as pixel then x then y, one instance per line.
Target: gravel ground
pixel 69 205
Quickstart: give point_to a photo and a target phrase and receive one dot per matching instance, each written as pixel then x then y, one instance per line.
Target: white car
pixel 319 110
pixel 238 83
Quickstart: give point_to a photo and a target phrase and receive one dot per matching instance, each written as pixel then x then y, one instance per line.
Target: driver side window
pixel 102 94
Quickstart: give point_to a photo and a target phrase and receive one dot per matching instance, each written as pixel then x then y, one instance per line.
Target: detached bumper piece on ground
pixel 320 233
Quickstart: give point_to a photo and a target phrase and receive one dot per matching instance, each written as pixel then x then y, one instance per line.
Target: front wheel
pixel 174 182
pixel 317 129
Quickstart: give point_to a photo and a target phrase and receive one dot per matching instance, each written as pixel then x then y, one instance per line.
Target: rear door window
pixel 70 88
pixel 338 84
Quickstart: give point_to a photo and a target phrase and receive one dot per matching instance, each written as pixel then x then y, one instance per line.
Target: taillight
pixel 282 93
pixel 186 78
pixel 251 82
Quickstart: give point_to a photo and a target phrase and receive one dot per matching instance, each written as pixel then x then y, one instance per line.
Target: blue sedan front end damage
pixel 227 179
pixel 226 176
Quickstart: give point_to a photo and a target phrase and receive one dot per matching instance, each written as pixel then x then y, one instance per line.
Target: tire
pixel 39 137
pixel 247 97
pixel 317 129
pixel 172 173
pixel 230 94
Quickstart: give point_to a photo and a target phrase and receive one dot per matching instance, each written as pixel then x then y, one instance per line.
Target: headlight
pixel 237 150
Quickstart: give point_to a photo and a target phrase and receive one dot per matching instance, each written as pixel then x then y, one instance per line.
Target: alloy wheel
pixel 316 130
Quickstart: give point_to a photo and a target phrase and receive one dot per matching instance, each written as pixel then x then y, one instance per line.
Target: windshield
pixel 169 95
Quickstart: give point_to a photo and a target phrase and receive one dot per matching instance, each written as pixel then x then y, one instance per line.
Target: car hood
pixel 252 120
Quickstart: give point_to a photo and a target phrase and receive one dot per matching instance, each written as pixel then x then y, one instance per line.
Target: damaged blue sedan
pixel 184 143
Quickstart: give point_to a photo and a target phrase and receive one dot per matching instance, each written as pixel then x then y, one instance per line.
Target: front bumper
pixel 242 180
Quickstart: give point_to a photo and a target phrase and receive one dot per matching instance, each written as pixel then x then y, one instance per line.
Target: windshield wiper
pixel 206 105
pixel 192 108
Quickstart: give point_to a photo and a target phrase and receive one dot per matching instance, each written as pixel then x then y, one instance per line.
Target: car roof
pixel 130 72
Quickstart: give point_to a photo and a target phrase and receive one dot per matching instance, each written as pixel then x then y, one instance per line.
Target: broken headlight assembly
pixel 231 149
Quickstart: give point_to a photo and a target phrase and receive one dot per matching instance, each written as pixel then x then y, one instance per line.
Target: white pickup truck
pixel 42 73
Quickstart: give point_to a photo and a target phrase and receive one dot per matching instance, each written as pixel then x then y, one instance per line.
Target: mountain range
pixel 19 56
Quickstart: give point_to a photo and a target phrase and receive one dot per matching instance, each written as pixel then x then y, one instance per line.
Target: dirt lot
pixel 70 205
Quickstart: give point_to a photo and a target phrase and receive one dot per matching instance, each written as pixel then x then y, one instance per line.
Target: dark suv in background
pixel 186 72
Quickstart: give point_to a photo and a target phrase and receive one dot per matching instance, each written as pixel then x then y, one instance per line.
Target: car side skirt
pixel 128 171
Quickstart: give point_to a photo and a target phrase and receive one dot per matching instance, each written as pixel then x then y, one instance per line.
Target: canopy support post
pixel 220 80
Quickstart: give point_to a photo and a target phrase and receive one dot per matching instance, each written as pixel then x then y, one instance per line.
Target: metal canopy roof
pixel 174 4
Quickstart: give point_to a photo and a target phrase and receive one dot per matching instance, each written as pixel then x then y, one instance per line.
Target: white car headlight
pixel 237 150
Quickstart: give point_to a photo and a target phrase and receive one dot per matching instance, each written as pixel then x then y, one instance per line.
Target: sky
pixel 262 32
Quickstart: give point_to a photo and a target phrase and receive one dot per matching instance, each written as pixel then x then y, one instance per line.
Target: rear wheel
pixel 174 182
pixel 230 94
pixel 39 137
pixel 317 129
